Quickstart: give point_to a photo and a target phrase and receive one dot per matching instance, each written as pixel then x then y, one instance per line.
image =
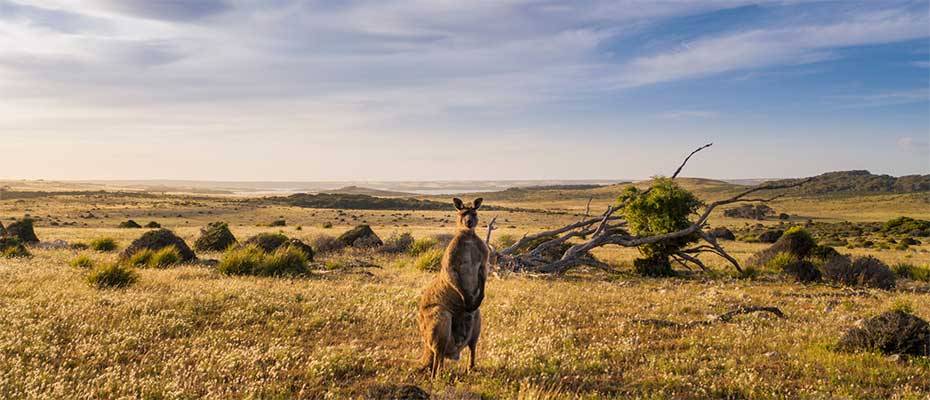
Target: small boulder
pixel 722 233
pixel 268 242
pixel 216 236
pixel 784 216
pixel 771 236
pixel 892 332
pixel 129 224
pixel 361 236
pixel 159 239
pixel 23 230
pixel 153 225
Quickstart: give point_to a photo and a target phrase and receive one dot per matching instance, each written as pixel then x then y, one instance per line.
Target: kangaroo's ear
pixel 458 203
pixel 478 202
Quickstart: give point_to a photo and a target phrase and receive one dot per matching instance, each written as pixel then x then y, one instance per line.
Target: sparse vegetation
pixel 398 243
pixel 252 260
pixel 11 247
pixel 911 271
pixel 429 260
pixel 111 275
pixel 422 245
pixel 103 244
pixel 82 261
pixel 161 258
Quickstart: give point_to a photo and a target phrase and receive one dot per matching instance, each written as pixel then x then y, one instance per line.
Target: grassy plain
pixel 190 332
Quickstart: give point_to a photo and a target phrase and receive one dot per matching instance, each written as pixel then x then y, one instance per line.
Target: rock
pixel 130 224
pixel 784 216
pixel 305 248
pixel 361 236
pixel 23 230
pixel 722 233
pixel 771 236
pixel 159 239
pixel 268 242
pixel 153 225
pixel 892 332
pixel 396 392
pixel 216 236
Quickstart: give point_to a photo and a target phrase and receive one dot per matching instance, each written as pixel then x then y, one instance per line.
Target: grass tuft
pixel 103 244
pixel 111 275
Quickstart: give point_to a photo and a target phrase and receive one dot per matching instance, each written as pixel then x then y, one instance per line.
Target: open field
pixel 191 332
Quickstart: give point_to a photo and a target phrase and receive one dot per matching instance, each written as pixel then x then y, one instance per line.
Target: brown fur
pixel 449 318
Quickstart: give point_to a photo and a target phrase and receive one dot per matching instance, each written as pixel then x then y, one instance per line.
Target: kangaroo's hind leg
pixel 473 340
pixel 440 337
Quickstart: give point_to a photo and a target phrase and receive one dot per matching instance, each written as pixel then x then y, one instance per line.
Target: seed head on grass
pixel 111 275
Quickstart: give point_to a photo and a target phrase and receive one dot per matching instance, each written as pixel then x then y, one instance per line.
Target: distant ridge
pixel 368 192
pixel 863 182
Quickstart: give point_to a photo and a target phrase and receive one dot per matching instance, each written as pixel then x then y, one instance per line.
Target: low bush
pixel 216 236
pixel 429 260
pixel 327 244
pixel 153 225
pixel 422 245
pixel 504 241
pixel 911 271
pixel 12 247
pixel 863 271
pixel 103 244
pixel 111 275
pixel 398 243
pixel 278 222
pixel 892 332
pixel 802 271
pixel 82 261
pixel 252 260
pixel 161 258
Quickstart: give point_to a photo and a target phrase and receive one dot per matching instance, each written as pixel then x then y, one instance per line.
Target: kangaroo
pixel 449 318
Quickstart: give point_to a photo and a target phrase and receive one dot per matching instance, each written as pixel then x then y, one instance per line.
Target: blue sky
pixel 415 89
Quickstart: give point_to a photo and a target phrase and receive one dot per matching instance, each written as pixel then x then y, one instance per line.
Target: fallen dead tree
pixel 526 255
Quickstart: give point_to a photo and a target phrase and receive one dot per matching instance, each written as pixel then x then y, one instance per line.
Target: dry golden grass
pixel 191 332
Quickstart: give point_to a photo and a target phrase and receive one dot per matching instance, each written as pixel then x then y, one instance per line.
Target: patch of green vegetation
pixel 103 244
pixel 429 260
pixel 162 258
pixel 663 208
pixel 423 245
pixel 907 226
pixel 252 260
pixel 82 261
pixel 111 275
pixel 911 271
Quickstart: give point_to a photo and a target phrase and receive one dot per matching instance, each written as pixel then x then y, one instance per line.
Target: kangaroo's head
pixel 468 215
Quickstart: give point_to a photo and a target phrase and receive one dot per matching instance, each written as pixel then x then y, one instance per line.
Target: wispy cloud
pixel 881 99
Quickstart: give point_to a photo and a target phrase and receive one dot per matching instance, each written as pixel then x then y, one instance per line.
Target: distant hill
pixel 863 182
pixel 368 192
pixel 357 202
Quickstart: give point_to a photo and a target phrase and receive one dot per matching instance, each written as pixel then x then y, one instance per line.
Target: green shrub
pixel 140 258
pixel 780 261
pixel 504 241
pixel 241 260
pixel 12 247
pixel 398 243
pixel 285 261
pixel 82 261
pixel 423 245
pixel 429 260
pixel 148 258
pixel 665 208
pixel 251 260
pixel 910 271
pixel 164 258
pixel 103 244
pixel 111 275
